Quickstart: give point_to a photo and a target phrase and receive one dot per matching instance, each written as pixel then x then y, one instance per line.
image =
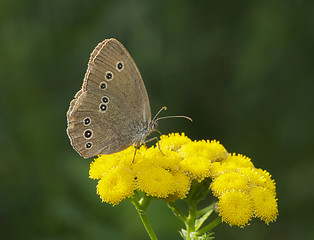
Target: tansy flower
pixel 115 185
pixel 164 158
pixel 235 208
pixel 104 163
pixel 198 157
pixel 156 181
pixel 233 163
pixel 238 160
pixel 167 169
pixel 228 182
pixel 182 185
pixel 269 183
pixel 196 167
pixel 211 150
pixel 173 141
pixel 265 204
pixel 218 168
pixel 259 177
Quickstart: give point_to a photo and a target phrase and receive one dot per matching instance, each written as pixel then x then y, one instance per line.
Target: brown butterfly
pixel 111 112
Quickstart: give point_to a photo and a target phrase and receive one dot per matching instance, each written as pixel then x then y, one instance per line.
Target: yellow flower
pixel 156 181
pixel 238 160
pixel 218 168
pixel 164 158
pixel 116 185
pixel 104 163
pixel 235 208
pixel 218 150
pixel 196 167
pixel 259 177
pixel 265 204
pixel 173 141
pixel 198 157
pixel 211 150
pixel 166 172
pixel 229 181
pixel 182 187
pixel 233 163
pixel 99 166
pixel 269 183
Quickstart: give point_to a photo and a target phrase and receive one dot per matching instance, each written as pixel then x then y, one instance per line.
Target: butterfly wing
pixel 111 111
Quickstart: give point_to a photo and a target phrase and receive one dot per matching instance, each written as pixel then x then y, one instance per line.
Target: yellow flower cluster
pixel 243 191
pixel 164 173
pixel 167 170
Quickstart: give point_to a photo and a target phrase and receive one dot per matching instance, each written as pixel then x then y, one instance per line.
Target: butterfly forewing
pixel 111 110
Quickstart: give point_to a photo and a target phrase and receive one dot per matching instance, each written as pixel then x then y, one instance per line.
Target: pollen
pixel 235 208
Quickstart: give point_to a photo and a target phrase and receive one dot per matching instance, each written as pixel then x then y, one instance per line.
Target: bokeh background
pixel 243 70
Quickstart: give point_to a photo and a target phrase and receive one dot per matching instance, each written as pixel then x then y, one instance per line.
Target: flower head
pixel 173 141
pixel 211 150
pixel 115 185
pixel 156 181
pixel 167 169
pixel 265 204
pixel 228 182
pixel 236 174
pixel 235 208
pixel 198 157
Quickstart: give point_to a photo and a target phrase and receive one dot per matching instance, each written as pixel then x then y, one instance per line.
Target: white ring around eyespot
pixel 100 110
pixel 102 101
pixel 91 136
pixel 101 84
pixel 119 70
pixel 91 145
pixel 90 120
pixel 112 75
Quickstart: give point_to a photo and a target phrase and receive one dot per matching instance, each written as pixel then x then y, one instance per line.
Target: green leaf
pixel 199 222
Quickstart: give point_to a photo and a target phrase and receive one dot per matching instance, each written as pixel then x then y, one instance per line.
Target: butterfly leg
pixel 152 139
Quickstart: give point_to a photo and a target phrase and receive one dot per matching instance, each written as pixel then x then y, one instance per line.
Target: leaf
pixel 199 222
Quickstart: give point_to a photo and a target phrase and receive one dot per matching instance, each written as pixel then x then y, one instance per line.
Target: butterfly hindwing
pixel 112 109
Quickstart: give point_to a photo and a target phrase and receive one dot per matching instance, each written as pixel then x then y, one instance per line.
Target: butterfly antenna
pixel 175 117
pixel 163 108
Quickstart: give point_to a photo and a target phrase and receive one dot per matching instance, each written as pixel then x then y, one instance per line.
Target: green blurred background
pixel 243 70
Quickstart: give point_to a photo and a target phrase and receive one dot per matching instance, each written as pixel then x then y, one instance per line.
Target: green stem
pixel 141 212
pixel 190 221
pixel 146 202
pixel 176 211
pixel 209 227
pixel 205 210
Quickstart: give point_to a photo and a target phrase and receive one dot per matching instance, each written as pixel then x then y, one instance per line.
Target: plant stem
pixel 176 211
pixel 141 212
pixel 205 210
pixel 210 226
pixel 147 225
pixel 190 221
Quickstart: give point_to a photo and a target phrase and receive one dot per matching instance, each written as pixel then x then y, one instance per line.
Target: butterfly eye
pixel 120 66
pixel 109 75
pixel 102 85
pixel 88 134
pixel 105 99
pixel 88 145
pixel 103 107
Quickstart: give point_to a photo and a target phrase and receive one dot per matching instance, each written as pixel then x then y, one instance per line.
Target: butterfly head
pixel 152 126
